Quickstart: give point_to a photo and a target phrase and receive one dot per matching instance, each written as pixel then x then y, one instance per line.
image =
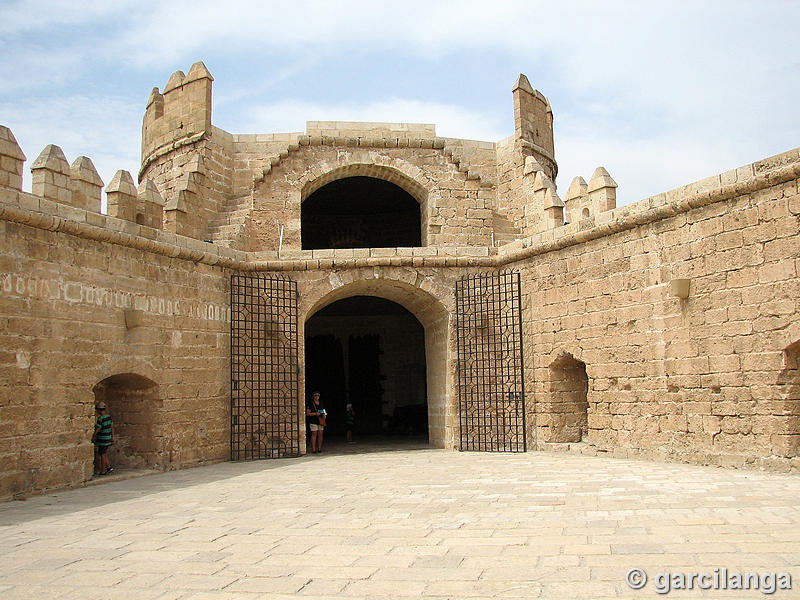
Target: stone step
pixel 233 220
pixel 501 239
pixel 236 210
pixel 223 229
pixel 227 226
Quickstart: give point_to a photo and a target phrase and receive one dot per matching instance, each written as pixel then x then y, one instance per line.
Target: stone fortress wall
pixel 136 301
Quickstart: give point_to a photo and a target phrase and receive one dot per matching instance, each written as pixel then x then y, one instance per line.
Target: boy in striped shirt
pixel 104 436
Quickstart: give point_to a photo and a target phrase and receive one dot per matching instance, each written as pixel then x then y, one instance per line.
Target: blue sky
pixel 661 94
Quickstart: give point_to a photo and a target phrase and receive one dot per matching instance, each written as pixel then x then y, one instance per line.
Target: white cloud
pixel 36 69
pixel 27 15
pixel 178 29
pixel 265 82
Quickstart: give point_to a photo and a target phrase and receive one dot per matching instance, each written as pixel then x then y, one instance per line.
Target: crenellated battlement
pixel 57 183
pixel 11 160
pixel 544 208
pixel 86 186
pixel 586 200
pixel 245 191
pixel 200 198
pixel 71 194
pixel 402 131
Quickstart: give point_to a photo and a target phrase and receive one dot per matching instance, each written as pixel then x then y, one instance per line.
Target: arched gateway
pixel 472 359
pixel 456 376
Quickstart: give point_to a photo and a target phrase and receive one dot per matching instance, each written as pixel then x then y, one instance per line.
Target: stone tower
pixel 187 158
pixel 533 125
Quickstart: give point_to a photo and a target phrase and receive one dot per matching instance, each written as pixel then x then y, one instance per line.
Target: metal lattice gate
pixel 265 394
pixel 491 391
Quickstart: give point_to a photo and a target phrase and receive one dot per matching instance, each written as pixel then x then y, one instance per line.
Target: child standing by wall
pixel 104 436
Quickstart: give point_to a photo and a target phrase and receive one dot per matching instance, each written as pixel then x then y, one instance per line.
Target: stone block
pixel 50 174
pixel 121 196
pixel 149 205
pixel 86 185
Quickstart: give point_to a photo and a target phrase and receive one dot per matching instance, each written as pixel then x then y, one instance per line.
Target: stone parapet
pixel 38 212
pixel 121 196
pixel 370 129
pixel 181 112
pixel 533 123
pixel 46 213
pixel 744 180
pixel 149 205
pixel 602 190
pixel 452 149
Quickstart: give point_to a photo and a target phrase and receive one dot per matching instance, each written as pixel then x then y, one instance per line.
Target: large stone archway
pixel 473 362
pixel 408 177
pixel 434 315
pixel 433 179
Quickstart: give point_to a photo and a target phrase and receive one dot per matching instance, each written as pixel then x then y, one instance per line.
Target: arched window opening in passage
pixel 360 212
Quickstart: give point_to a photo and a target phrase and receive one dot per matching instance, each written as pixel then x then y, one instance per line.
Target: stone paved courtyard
pixel 407 522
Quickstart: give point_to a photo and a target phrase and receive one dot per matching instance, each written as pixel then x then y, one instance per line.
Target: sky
pixel 659 93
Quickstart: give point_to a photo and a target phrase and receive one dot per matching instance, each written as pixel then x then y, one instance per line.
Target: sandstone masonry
pixel 133 306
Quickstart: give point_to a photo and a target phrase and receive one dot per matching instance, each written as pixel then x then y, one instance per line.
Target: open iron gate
pixel 265 392
pixel 491 391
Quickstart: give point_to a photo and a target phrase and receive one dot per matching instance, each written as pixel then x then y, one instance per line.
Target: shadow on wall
pixel 133 403
pixel 569 406
pixel 788 444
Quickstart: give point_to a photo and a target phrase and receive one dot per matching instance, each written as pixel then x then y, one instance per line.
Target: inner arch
pixel 369 352
pixel 433 317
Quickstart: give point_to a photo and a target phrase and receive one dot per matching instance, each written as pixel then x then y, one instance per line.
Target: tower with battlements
pixel 242 190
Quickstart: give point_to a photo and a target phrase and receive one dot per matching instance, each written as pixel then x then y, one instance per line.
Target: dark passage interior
pixel 568 406
pixel 370 352
pixel 360 212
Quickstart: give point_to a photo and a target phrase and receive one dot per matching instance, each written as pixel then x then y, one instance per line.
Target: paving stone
pixel 323 586
pixel 269 585
pixel 483 589
pixel 257 546
pixel 192 581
